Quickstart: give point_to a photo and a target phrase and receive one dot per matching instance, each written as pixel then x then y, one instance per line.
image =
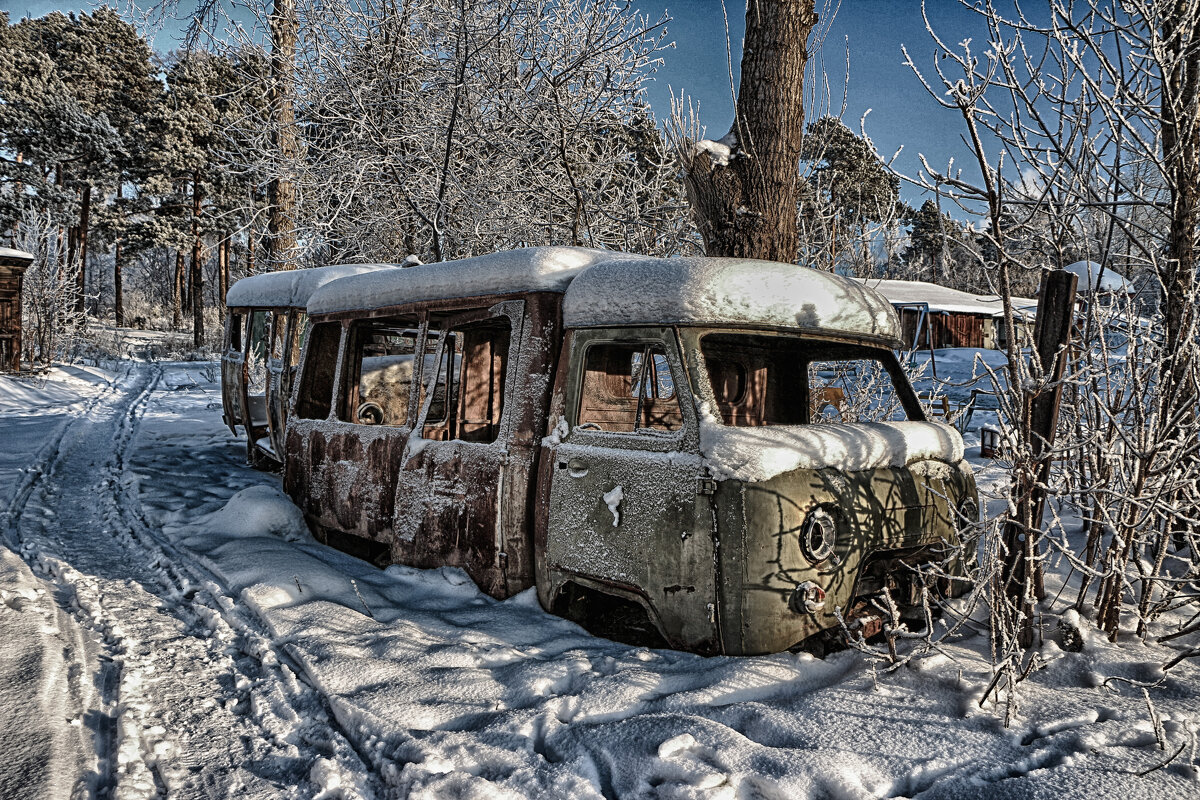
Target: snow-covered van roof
pixel 529 269
pixel 604 288
pixel 293 287
pixel 637 290
pixel 945 299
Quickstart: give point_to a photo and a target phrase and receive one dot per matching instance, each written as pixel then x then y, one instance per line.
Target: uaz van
pixel 719 455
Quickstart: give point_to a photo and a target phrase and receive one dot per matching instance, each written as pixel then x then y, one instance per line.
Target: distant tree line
pixel 147 182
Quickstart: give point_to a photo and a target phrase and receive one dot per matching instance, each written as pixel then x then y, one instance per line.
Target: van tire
pixel 608 616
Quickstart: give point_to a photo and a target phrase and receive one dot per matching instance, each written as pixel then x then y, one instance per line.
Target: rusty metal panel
pixel 445 503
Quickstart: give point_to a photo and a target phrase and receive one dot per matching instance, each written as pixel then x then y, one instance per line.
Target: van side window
pixel 256 355
pixel 278 330
pixel 469 401
pixel 628 388
pixel 235 333
pixel 379 372
pixel 756 380
pixel 315 395
pixel 852 390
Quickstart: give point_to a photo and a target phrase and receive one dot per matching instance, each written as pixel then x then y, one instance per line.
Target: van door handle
pixel 577 468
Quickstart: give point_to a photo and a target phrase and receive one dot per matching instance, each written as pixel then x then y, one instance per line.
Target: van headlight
pixel 818 535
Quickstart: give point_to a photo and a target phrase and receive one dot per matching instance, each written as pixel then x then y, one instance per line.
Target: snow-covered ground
pixel 172 630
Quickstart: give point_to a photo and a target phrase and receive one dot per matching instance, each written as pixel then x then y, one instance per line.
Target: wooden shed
pixel 934 317
pixel 13 264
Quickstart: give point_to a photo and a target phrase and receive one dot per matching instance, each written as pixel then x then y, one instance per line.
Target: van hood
pixel 754 455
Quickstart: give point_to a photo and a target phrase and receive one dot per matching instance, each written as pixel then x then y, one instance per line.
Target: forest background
pixel 144 181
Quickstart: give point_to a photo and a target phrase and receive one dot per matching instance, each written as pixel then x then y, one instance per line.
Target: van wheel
pixel 821 644
pixel 608 616
pixel 259 460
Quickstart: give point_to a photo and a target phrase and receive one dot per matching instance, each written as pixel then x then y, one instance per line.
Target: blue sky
pixel 901 112
pixel 871 30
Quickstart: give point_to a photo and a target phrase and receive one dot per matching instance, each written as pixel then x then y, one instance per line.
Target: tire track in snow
pixel 182 710
pixel 47 456
pixel 295 709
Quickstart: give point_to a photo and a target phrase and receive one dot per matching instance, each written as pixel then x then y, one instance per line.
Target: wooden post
pixel 1021 575
pixel 1052 336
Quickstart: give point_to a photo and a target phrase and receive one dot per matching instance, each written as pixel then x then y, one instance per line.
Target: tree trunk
pixel 118 299
pixel 222 274
pixel 72 250
pixel 1176 409
pixel 177 294
pixel 197 273
pixel 118 304
pixel 85 213
pixel 747 208
pixel 281 191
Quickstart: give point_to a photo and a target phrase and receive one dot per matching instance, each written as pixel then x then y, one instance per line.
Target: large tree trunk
pixel 197 274
pixel 223 273
pixel 85 213
pixel 1180 107
pixel 747 208
pixel 177 294
pixel 118 303
pixel 281 191
pixel 118 294
pixel 1176 409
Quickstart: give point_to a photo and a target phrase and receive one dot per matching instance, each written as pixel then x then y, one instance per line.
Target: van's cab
pixel 723 453
pixel 264 334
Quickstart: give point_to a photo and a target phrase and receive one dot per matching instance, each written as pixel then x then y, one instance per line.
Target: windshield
pixel 762 380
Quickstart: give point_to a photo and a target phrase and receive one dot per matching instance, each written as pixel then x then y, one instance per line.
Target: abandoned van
pixel 722 454
pixel 264 331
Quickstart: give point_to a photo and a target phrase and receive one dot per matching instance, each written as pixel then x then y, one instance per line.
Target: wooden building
pixel 13 264
pixel 933 317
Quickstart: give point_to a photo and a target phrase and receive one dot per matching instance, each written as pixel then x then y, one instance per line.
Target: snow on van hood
pixel 759 454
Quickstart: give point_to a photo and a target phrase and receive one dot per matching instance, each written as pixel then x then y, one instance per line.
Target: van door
pixel 232 362
pixel 255 377
pixel 462 495
pixel 353 413
pixel 276 397
pixel 627 511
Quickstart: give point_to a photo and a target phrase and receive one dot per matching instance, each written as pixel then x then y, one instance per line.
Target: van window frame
pixel 686 439
pixel 690 341
pixel 304 377
pixel 447 319
pixel 347 386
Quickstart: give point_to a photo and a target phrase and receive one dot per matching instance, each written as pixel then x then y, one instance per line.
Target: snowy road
pixel 155 680
pixel 173 632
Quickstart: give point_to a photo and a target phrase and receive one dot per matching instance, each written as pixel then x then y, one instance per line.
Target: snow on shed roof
pixel 943 298
pixel 529 269
pixel 291 288
pixel 638 290
pixel 1091 279
pixel 9 254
